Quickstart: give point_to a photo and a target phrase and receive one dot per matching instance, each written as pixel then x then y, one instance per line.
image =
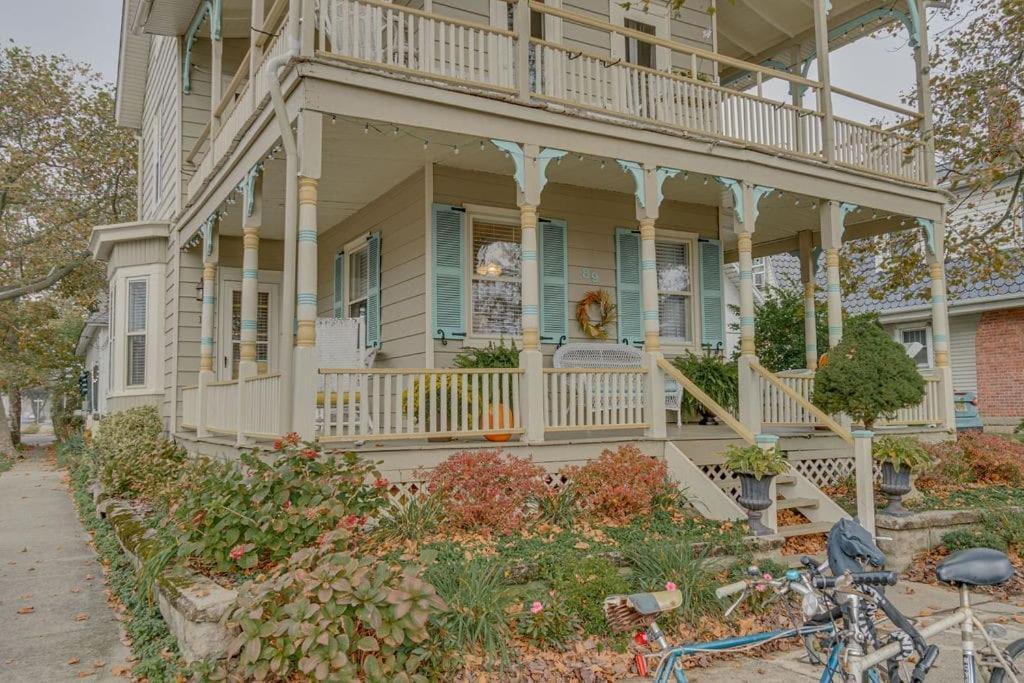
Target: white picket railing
pixel 260 406
pixel 220 403
pixel 928 411
pixel 885 152
pixel 578 399
pixel 408 40
pixel 384 403
pixel 190 407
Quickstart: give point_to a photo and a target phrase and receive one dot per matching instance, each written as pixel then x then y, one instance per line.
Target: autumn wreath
pixel 595 329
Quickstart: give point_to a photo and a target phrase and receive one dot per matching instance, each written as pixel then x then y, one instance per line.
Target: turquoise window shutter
pixel 449 274
pixel 712 294
pixel 629 301
pixel 339 285
pixel 554 276
pixel 373 290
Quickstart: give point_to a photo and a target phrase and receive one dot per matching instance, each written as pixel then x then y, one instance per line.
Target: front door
pixel 230 337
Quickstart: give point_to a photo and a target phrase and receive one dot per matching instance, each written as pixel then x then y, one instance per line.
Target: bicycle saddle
pixel 975 567
pixel 625 612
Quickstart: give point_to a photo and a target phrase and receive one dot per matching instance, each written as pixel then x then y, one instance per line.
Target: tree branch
pixel 56 274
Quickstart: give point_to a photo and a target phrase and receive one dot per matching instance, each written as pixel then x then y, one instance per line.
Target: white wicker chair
pixel 598 355
pixel 341 343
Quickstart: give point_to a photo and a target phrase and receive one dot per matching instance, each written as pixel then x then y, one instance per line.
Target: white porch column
pixel 207 371
pixel 252 218
pixel 919 20
pixel 304 365
pixel 530 175
pixel 828 130
pixel 832 241
pixel 808 269
pixel 935 234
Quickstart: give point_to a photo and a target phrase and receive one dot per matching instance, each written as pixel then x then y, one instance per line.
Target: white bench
pixel 597 355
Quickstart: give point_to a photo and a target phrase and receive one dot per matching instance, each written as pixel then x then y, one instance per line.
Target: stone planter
pixel 755 498
pixel 904 536
pixel 895 485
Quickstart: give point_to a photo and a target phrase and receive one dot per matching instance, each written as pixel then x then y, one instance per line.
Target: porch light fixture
pixel 199 291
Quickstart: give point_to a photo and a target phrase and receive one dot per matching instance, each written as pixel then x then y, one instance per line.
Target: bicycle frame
pixel 669 663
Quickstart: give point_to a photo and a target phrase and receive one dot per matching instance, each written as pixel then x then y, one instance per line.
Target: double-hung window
pixel 496 286
pixel 759 270
pixel 135 331
pixel 639 52
pixel 911 339
pixel 358 281
pixel 675 289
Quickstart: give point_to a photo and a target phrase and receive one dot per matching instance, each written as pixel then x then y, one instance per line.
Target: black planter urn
pixel 755 498
pixel 895 485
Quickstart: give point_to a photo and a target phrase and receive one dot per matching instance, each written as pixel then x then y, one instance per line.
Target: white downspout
pixel 291 152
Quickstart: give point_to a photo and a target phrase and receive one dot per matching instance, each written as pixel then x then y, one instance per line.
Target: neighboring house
pixel 452 174
pixel 94 347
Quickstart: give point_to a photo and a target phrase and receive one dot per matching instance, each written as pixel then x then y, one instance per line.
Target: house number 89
pixel 589 275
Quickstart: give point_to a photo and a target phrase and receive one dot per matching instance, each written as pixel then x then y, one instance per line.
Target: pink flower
pixel 669 586
pixel 309 454
pixel 237 552
pixel 767 576
pixel 536 607
pixel 760 588
pixel 278 445
pixel 381 484
pixel 287 505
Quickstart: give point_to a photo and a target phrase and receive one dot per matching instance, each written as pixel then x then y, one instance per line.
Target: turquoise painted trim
pixel 766 438
pixel 736 188
pixel 211 9
pixel 660 176
pixel 651 315
pixel 207 232
pixel 209 300
pixel 637 171
pixel 712 299
pixel 929 230
pixel 939 338
pixel 553 241
pixel 938 298
pixel 746 320
pixel 518 159
pixel 307 236
pixel 862 433
pixel 545 157
pixel 810 347
pixel 448 240
pixel 338 307
pixel 248 325
pixel 845 209
pixel 915 24
pixel 529 255
pixel 530 309
pixel 746 275
pixel 835 329
pixel 248 187
pixel 648 264
pixel 250 273
pixel 832 288
pixel 760 192
pixel 306 298
pixel 206 341
pixel 628 288
pixel 808 315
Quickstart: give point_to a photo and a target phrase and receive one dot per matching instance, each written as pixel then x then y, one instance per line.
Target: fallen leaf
pixel 73 661
pixel 121 671
pixel 926 612
pixel 86 674
pixel 26 610
pixel 99 663
pixel 81 616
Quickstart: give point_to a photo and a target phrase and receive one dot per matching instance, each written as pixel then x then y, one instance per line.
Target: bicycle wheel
pixel 1014 654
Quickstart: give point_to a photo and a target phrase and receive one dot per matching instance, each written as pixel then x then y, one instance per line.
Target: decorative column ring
pixel 940 333
pixel 649 282
pixel 305 310
pixel 531 290
pixel 250 275
pixel 744 247
pixel 206 340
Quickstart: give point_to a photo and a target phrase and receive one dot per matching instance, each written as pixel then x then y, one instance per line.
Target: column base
pixel 749 394
pixel 654 396
pixel 304 386
pixel 531 388
pixel 205 378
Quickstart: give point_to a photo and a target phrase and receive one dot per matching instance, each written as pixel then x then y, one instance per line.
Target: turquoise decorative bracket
pixel 213 10
pixel 637 171
pixel 736 188
pixel 661 175
pixel 207 231
pixel 916 25
pixel 929 233
pixel 845 209
pixel 760 192
pixel 248 188
pixel 544 157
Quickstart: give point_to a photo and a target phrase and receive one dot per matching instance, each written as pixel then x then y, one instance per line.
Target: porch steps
pixel 804 529
pixel 785 480
pixel 797 503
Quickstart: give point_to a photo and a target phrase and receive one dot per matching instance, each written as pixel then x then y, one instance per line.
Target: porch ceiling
pixel 361 163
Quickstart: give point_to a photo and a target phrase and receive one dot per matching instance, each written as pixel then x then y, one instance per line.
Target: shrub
pixel 868 375
pixel 975 458
pixel 902 452
pixel 716 377
pixel 659 565
pixel 332 614
pixel 420 518
pixel 779 327
pixel 491 356
pixel 478 600
pixel 547 623
pixel 961 539
pixel 235 517
pixel 487 489
pixel 755 461
pixel 132 457
pixel 584 585
pixel 620 484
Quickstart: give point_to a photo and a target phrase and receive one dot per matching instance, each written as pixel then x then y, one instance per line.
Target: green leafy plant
pixel 434 396
pixel 546 622
pixel 758 602
pixel 962 539
pixel 902 452
pixel 491 356
pixel 132 458
pixel 779 327
pixel 620 484
pixel 561 507
pixel 678 565
pixel 488 490
pixel 755 461
pixel 868 375
pixel 332 614
pixel 416 520
pixel 715 376
pixel 478 600
pixel 583 586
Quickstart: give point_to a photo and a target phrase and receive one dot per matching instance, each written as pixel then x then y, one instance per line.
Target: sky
pixel 87 30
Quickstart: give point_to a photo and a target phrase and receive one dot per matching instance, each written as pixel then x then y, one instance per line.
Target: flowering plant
pixel 621 484
pixel 547 622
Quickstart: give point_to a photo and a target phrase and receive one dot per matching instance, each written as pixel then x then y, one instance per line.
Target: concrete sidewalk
pixel 913 599
pixel 55 624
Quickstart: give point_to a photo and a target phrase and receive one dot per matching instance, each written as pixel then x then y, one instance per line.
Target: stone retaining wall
pixel 901 538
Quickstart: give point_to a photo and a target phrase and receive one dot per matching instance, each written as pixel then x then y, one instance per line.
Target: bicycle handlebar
pixel 882 578
pixel 730 589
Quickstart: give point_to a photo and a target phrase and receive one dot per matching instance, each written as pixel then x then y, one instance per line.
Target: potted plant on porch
pixel 899 457
pixel 715 376
pixel 755 467
pixel 495 416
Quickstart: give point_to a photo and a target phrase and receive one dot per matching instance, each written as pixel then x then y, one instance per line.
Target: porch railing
pixel 577 399
pixel 383 403
pixel 190 407
pixel 407 40
pixel 220 403
pixel 928 411
pixel 259 406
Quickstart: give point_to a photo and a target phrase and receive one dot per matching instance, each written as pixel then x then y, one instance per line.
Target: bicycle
pixel 840 613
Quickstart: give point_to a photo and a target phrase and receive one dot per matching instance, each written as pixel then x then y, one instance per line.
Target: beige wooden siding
pixel 962 359
pixel 138 253
pixel 188 328
pixel 592 217
pixel 158 184
pixel 399 217
pixel 124 402
pixel 271 254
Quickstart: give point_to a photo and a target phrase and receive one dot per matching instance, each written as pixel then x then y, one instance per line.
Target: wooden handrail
pixel 814 410
pixel 676 47
pixel 438 17
pixel 583 371
pixel 203 136
pixel 419 371
pixel 274 17
pixel 877 103
pixel 231 90
pixel 709 403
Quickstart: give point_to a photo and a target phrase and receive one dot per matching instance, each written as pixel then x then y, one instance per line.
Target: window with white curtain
pixel 496 277
pixel 675 289
pixel 136 324
pixel 358 281
pixel 914 337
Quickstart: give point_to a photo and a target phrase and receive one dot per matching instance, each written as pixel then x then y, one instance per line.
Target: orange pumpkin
pixel 823 361
pixel 497 417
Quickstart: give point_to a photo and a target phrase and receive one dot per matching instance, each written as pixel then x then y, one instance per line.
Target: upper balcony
pixel 609 67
